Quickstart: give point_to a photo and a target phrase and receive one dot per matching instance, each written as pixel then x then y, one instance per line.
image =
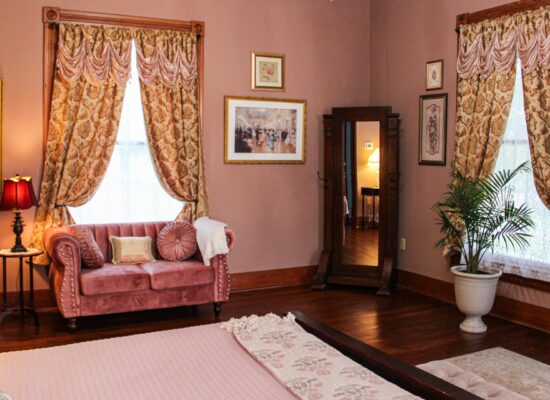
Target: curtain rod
pixel 55 16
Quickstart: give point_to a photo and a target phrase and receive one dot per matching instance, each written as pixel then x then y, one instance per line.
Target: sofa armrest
pixel 230 235
pixel 64 251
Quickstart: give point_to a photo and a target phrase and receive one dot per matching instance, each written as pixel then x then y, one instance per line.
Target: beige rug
pixel 497 368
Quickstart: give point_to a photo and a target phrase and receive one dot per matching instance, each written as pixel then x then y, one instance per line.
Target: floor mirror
pixel 360 182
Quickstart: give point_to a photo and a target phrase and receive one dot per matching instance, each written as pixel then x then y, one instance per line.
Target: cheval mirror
pixel 360 182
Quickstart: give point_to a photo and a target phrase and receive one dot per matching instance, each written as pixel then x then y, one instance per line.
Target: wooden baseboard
pixel 509 309
pixel 272 278
pixel 240 282
pixel 42 298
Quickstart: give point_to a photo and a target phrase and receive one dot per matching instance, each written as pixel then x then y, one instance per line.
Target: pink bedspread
pixel 197 363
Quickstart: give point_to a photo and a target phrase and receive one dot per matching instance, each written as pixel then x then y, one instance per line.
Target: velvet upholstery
pixel 177 241
pixel 113 278
pixel 177 274
pixel 121 288
pixel 89 250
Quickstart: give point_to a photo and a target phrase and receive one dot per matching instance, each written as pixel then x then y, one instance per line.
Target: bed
pixel 202 362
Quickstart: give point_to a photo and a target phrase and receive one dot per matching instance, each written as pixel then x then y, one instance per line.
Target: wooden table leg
pixel 4 286
pixel 21 294
pixel 31 295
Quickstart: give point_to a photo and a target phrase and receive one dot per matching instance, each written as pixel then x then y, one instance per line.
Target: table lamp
pixel 18 195
pixel 374 159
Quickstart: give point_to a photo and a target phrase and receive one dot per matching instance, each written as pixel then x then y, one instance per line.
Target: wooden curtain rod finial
pixel 198 28
pixel 51 14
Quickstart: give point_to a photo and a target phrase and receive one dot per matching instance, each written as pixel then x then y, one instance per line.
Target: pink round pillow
pixel 177 241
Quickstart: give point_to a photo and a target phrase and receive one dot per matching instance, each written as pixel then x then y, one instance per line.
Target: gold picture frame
pixel 434 75
pixel 267 71
pixel 262 130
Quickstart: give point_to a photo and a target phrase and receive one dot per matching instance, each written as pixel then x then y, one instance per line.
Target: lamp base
pixel 18 230
pixel 18 248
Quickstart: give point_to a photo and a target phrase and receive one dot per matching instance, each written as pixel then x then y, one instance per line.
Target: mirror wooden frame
pixel 331 268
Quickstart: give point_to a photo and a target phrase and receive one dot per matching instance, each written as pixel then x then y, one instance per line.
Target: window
pixel 130 190
pixel 532 262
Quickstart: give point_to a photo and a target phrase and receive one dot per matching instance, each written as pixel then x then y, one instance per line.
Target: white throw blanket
pixel 210 238
pixel 307 366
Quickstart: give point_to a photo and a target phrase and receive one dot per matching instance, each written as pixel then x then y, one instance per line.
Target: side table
pixel 30 253
pixel 374 192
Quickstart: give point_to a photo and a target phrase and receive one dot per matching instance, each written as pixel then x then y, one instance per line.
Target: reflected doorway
pixel 362 191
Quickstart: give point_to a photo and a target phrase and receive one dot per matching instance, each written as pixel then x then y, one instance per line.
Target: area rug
pixel 518 374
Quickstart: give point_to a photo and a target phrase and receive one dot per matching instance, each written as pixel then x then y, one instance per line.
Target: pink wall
pixel 275 210
pixel 404 36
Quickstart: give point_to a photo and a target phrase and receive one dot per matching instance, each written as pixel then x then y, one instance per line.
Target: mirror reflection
pixel 362 190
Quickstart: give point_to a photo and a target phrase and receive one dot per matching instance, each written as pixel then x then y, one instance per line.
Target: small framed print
pixel 432 141
pixel 261 130
pixel 434 75
pixel 268 71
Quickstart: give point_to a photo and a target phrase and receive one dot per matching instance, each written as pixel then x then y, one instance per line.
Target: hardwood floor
pixel 407 325
pixel 360 246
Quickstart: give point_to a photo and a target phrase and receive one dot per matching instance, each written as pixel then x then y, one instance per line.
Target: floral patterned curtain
pixel 483 102
pixel 486 68
pixel 167 63
pixel 536 97
pixel 92 68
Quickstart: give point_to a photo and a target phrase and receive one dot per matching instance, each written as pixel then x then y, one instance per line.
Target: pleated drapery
pixel 87 96
pixel 486 68
pixel 536 98
pixel 91 71
pixel 169 93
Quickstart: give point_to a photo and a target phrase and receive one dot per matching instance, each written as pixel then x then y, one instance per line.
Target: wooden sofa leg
pixel 71 323
pixel 217 308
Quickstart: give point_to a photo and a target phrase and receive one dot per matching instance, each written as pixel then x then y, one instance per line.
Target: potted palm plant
pixel 474 216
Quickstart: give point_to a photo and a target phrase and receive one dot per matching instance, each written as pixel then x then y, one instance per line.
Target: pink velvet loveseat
pixel 112 288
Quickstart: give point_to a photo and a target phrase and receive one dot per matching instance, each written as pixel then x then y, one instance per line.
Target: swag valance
pixel 77 57
pixel 496 44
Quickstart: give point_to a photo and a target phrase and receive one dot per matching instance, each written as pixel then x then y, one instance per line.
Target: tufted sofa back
pixel 103 231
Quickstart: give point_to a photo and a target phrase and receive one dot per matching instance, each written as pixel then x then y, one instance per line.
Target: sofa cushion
pixel 89 250
pixel 177 274
pixel 177 241
pixel 131 249
pixel 113 279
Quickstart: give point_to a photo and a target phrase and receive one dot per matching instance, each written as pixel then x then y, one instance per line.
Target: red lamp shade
pixel 18 194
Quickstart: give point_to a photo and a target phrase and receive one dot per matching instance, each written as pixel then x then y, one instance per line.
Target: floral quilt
pixel 307 366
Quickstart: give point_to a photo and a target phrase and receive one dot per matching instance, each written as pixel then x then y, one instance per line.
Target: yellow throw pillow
pixel 131 250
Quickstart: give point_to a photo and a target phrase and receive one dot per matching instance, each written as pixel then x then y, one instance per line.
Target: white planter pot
pixel 475 295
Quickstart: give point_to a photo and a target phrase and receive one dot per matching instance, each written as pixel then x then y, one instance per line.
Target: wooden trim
pixel 526 282
pixel 509 309
pixel 52 16
pixel 55 15
pixel 500 11
pixel 406 376
pixel 272 278
pixel 43 298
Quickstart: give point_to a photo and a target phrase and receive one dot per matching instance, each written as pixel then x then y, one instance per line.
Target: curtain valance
pixel 103 62
pixel 496 44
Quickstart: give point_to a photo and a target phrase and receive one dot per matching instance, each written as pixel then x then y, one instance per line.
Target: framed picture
pixel 268 71
pixel 432 141
pixel 434 75
pixel 264 131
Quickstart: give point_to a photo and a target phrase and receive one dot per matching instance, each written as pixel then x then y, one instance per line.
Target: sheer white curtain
pixel 534 261
pixel 130 190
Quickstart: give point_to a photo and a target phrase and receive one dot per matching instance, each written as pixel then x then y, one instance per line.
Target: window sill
pixel 536 284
